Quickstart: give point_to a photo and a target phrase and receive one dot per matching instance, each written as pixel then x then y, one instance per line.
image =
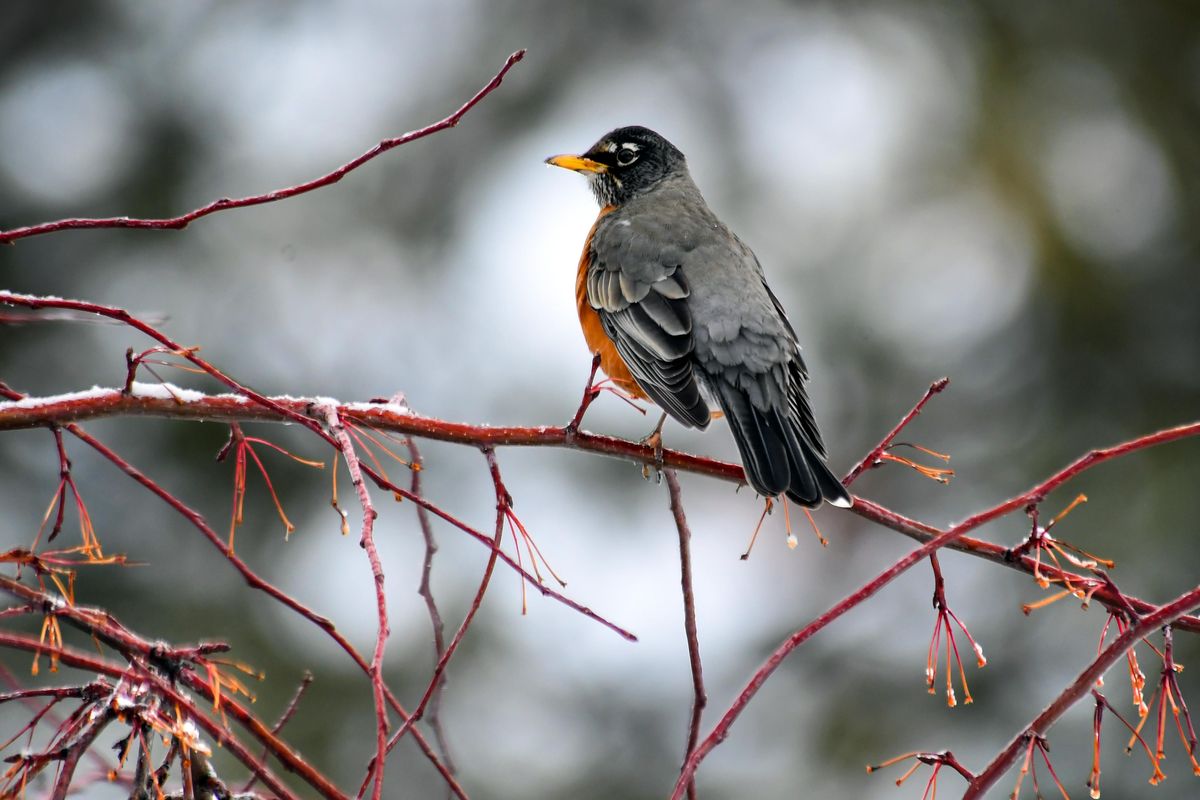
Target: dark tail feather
pixel 828 487
pixel 764 452
pixel 804 487
pixel 831 488
pixel 776 454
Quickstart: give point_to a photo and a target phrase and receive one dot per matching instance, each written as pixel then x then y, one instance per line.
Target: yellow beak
pixel 577 163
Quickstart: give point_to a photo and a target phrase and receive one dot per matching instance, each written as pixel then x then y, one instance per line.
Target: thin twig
pixel 224 204
pixel 425 590
pixel 503 503
pixel 367 542
pixel 86 661
pixel 699 695
pixel 188 353
pixel 867 590
pixel 283 720
pixel 1164 615
pixel 872 458
pixel 932 538
pixel 590 393
pixel 82 743
pixel 532 580
pixel 254 581
pixel 154 656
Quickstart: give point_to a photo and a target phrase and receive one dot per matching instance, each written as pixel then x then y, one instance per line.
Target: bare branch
pixel 76 658
pixel 503 504
pixel 224 204
pixel 425 590
pixel 246 405
pixel 367 542
pixel 256 582
pixel 1033 495
pixel 283 720
pixel 1163 615
pixel 699 695
pixel 872 459
pixel 36 412
pixel 75 751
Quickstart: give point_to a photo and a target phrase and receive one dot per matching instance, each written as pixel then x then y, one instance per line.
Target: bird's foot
pixel 654 440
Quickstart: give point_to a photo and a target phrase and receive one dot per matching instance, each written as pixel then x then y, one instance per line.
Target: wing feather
pixel 642 303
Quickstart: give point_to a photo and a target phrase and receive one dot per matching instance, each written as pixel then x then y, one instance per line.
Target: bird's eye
pixel 627 155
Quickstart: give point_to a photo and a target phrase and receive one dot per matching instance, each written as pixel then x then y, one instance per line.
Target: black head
pixel 625 163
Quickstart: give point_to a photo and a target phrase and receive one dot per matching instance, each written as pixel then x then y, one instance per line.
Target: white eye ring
pixel 627 155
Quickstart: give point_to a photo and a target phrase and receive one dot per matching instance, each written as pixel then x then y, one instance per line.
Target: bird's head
pixel 624 164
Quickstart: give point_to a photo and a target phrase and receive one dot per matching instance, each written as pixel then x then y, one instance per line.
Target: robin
pixel 679 312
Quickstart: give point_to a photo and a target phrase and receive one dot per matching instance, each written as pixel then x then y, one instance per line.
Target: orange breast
pixel 593 332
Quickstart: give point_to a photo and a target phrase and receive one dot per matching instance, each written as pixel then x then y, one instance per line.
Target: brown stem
pixel 867 590
pixel 85 661
pixel 283 720
pixel 255 582
pixel 872 458
pixel 367 542
pixel 224 204
pixel 82 743
pixel 228 408
pixel 590 393
pixel 699 695
pixel 1163 615
pixel 503 503
pixel 425 590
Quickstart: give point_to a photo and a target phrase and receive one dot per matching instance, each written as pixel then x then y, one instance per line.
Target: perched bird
pixel 679 311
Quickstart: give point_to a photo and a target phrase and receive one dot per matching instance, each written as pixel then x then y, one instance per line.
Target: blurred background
pixel 1004 193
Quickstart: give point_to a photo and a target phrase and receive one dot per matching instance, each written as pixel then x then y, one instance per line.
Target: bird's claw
pixel 654 440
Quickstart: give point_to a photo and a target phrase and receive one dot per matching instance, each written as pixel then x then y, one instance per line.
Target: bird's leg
pixel 654 439
pixel 590 393
pixel 754 536
pixel 787 525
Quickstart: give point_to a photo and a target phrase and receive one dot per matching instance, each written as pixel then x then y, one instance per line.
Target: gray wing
pixel 798 397
pixel 636 284
pixel 750 360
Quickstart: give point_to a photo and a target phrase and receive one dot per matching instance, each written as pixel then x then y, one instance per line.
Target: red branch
pixel 81 744
pixel 224 204
pixel 854 599
pixel 231 408
pixel 254 581
pixel 503 506
pixel 699 695
pixel 177 661
pixel 189 353
pixel 287 714
pixel 267 409
pixel 61 410
pixel 1164 615
pixel 480 537
pixel 872 459
pixel 367 542
pixel 425 590
pixel 999 554
pixel 85 661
